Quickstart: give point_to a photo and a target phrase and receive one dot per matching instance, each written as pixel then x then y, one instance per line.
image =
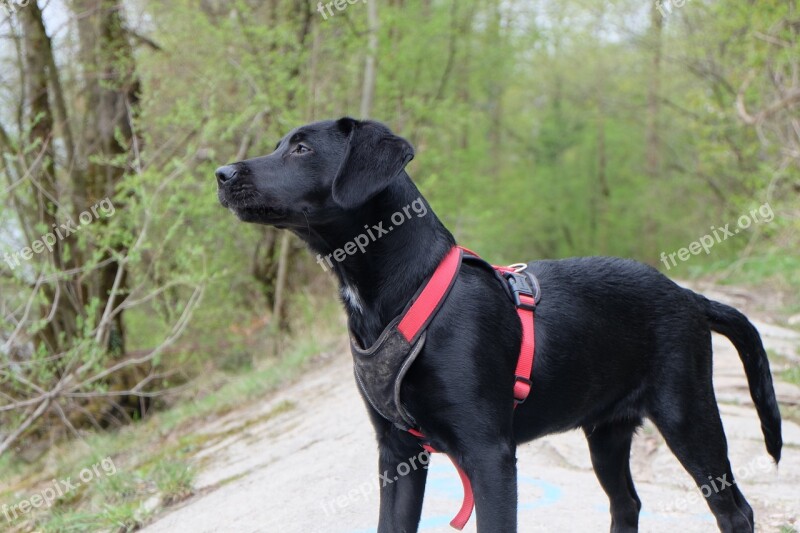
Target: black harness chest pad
pixel 380 370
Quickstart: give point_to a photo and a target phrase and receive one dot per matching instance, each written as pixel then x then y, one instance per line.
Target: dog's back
pixel 647 333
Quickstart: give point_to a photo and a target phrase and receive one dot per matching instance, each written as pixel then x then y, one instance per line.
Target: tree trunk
pixel 653 151
pixel 370 66
pixel 280 282
pixel 41 167
pixel 652 135
pixel 111 103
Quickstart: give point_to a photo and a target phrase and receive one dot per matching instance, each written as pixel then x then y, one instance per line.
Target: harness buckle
pixel 520 286
pixel 522 387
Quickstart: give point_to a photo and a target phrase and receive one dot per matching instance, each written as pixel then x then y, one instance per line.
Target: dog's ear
pixel 373 157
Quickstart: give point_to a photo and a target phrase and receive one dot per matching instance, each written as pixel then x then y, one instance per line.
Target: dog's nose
pixel 226 173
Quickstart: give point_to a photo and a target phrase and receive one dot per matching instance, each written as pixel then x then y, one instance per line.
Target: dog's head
pixel 317 173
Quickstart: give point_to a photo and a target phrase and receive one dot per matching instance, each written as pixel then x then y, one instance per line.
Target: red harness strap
pixel 422 311
pixel 425 306
pixel 526 304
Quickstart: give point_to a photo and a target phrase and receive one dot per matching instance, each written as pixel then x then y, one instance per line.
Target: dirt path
pixel 276 471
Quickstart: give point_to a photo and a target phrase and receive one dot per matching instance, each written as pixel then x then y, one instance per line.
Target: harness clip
pixel 520 286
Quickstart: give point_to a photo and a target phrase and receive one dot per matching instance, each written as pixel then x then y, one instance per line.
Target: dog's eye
pixel 301 149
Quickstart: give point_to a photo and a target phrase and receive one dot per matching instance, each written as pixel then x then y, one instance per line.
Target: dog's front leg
pixel 403 469
pixel 492 469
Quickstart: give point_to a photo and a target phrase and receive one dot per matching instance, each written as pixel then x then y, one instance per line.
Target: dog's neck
pixel 377 279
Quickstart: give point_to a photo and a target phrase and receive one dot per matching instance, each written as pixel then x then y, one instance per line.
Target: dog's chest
pixel 352 299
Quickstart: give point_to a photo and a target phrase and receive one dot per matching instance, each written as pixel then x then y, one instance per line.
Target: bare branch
pixel 6 444
pixel 23 321
pixel 791 98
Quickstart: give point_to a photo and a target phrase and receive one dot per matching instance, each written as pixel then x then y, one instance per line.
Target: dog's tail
pixel 742 333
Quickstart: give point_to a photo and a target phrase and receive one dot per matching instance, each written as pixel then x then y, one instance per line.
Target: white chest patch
pixel 352 299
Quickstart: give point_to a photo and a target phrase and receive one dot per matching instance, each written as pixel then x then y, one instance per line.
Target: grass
pixel 153 460
pixel 173 480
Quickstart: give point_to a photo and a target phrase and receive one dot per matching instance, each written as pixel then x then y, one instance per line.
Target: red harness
pixel 524 290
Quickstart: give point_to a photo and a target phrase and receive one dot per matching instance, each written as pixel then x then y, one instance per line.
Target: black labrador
pixel 616 341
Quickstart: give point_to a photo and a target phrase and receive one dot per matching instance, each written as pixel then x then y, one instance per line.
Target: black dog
pixel 616 341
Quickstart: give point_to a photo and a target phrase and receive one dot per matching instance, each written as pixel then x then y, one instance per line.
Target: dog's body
pixel 616 341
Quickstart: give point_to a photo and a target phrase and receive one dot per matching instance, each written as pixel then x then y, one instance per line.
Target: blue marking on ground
pixel 443 483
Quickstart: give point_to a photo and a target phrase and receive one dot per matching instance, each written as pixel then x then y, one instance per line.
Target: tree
pixel 65 355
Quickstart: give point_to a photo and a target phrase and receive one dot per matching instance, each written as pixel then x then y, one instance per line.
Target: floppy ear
pixel 374 156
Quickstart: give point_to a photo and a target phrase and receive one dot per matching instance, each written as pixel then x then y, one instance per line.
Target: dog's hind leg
pixel 687 415
pixel 610 448
pixel 403 471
